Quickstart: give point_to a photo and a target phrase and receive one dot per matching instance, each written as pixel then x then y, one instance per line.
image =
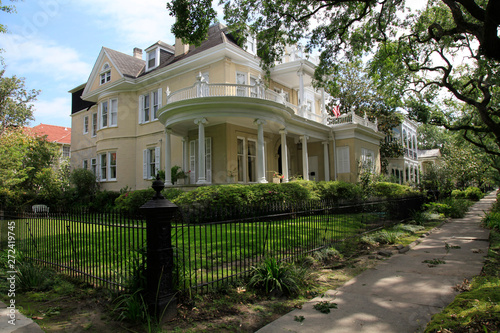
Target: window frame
pixel 105 75
pixel 86 124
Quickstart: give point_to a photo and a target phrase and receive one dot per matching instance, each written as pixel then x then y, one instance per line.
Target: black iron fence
pixel 210 245
pixel 104 250
pixel 222 244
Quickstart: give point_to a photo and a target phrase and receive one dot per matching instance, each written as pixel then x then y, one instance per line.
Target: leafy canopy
pixel 442 61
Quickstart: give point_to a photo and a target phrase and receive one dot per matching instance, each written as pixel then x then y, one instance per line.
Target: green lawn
pixel 204 253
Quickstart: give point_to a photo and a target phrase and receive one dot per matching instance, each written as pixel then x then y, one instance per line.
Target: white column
pixel 305 157
pixel 301 89
pixel 168 157
pixel 201 150
pixel 261 162
pixel 327 161
pixel 284 155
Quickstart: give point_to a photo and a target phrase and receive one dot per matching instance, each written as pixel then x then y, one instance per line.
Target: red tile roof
pixel 54 133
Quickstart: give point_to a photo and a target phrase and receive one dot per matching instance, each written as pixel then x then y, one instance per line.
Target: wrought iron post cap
pixel 158 186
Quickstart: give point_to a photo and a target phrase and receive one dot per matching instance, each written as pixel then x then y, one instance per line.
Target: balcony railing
pixel 352 118
pixel 203 89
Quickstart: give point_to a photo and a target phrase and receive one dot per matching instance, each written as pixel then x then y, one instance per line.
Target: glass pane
pixel 252 148
pixel 240 147
pixel 251 169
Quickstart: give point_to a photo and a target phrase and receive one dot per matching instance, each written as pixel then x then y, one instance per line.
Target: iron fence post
pixel 159 212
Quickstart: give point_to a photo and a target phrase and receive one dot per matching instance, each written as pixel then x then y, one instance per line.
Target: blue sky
pixel 54 44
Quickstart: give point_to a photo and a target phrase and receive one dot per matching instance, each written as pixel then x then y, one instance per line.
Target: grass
pixel 478 309
pixel 103 254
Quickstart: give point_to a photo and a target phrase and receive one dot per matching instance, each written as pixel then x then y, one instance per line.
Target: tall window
pixel 112 166
pixel 149 104
pixel 66 151
pixel 154 97
pixel 104 114
pixel 247 160
pixel 103 164
pixel 152 59
pixel 94 124
pixel 113 112
pixel 109 113
pixel 367 159
pixel 85 124
pixel 93 166
pixel 107 166
pixel 151 162
pixel 85 164
pixel 193 160
pixel 252 161
pixel 241 79
pixel 241 159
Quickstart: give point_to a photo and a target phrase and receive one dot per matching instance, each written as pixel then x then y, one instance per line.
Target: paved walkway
pixel 402 293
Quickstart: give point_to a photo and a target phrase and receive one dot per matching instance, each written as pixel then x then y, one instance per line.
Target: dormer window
pixel 251 44
pixel 105 74
pixel 153 59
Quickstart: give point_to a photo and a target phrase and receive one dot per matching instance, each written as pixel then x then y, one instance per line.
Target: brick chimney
pixel 138 53
pixel 180 48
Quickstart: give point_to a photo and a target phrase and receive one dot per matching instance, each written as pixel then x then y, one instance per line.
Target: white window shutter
pixel 141 109
pixel 159 98
pixel 145 164
pixel 157 160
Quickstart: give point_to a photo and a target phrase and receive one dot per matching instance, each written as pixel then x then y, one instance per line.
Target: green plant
pixel 473 193
pixel 132 201
pixel 492 220
pixel 324 307
pixel 273 277
pixel 33 277
pixel 85 183
pixel 177 173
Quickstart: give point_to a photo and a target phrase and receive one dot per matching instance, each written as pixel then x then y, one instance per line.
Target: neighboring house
pixel 56 134
pixel 208 110
pixel 428 158
pixel 405 169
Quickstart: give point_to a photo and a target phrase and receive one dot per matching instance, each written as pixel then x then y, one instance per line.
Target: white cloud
pixel 137 23
pixel 30 56
pixel 53 112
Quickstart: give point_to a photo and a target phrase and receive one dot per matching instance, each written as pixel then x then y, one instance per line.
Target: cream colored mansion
pixel 208 110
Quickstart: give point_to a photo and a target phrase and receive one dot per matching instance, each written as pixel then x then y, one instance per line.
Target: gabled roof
pixel 127 65
pixel 53 133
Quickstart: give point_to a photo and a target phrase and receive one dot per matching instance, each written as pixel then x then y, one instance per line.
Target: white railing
pixel 352 118
pixel 258 90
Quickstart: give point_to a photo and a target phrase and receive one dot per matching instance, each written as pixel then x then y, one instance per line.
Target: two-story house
pixel 405 169
pixel 212 111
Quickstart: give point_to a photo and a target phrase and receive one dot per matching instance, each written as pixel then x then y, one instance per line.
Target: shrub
pixel 338 190
pixel 458 194
pixel 391 190
pixel 273 277
pixel 33 277
pixel 473 193
pixel 450 207
pixel 492 220
pixel 133 200
pixel 85 184
pixel 104 200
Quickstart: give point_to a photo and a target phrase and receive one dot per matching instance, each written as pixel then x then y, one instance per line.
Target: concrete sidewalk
pixel 21 324
pixel 402 293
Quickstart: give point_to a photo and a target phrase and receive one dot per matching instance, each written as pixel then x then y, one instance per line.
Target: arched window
pixel 105 73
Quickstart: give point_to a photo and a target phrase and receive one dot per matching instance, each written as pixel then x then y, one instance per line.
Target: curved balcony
pixel 203 89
